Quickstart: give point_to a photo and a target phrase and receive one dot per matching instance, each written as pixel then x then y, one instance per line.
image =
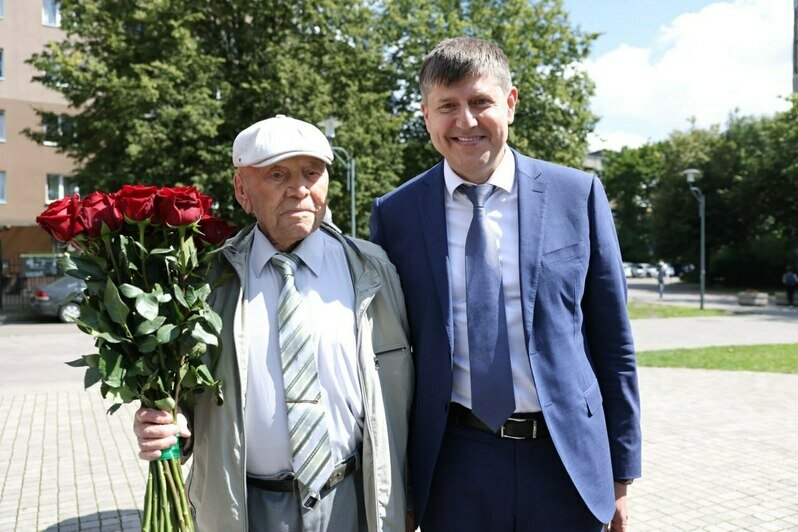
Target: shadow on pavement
pixel 129 519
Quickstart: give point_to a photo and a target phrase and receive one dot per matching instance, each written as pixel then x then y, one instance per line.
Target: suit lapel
pixel 433 219
pixel 531 229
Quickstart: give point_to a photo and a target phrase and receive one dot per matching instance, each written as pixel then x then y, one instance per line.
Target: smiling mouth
pixel 468 140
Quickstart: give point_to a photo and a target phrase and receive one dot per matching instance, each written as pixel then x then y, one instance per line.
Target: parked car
pixel 627 269
pixel 651 270
pixel 638 270
pixel 60 298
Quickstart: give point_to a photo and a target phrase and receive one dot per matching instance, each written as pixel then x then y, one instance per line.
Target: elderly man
pixel 526 412
pixel 315 362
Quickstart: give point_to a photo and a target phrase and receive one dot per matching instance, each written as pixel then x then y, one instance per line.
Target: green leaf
pixel 147 305
pixel 179 296
pixel 148 344
pixel 167 404
pixel 108 336
pixel 91 377
pixel 205 374
pixel 167 333
pixel 92 361
pixel 214 320
pixel 161 251
pixel 114 407
pixel 190 379
pixel 130 291
pixel 201 335
pixel 110 368
pixel 91 266
pixel 77 363
pixel 150 326
pixel 203 292
pixel 114 304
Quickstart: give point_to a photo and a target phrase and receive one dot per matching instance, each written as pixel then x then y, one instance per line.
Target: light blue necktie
pixel 492 397
pixel 310 441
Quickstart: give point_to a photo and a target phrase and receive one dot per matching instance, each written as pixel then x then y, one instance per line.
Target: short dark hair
pixel 453 60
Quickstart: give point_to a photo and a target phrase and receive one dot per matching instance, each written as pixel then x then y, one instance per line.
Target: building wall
pixel 25 163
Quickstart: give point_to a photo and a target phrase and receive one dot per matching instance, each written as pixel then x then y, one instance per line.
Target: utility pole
pixel 795 48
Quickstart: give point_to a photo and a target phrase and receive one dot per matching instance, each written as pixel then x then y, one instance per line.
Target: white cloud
pixel 613 140
pixel 729 55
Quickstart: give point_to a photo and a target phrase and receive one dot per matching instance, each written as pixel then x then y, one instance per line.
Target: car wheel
pixel 69 312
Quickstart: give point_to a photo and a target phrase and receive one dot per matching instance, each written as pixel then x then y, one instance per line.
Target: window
pixel 2 75
pixel 51 13
pixel 3 197
pixel 59 186
pixel 55 127
pixel 1 8
pixel 2 126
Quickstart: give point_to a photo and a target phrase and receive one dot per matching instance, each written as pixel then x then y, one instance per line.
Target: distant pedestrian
pixel 790 281
pixel 662 278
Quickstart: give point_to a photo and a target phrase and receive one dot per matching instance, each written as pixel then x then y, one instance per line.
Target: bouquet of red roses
pixel 145 255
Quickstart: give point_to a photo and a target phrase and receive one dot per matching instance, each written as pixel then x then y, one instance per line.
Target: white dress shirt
pixel 501 211
pixel 329 301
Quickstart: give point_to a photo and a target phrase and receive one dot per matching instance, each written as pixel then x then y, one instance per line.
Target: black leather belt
pixel 290 484
pixel 518 427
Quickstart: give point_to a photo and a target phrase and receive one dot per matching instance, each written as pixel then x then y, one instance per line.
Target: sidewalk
pixel 720 448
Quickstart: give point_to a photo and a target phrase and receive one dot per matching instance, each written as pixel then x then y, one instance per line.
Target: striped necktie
pixel 310 441
pixel 492 395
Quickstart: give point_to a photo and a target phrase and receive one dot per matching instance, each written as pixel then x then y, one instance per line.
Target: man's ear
pixel 512 100
pixel 425 112
pixel 241 193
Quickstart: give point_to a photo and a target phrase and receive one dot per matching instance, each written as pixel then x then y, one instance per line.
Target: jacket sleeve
pixel 609 338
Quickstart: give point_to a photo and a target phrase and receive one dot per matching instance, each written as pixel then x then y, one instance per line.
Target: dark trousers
pixel 483 483
pixel 791 295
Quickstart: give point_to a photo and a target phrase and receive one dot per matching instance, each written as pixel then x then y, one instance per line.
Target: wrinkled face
pixel 468 123
pixel 289 198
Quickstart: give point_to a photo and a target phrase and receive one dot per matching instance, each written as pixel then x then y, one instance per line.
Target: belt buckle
pixel 507 436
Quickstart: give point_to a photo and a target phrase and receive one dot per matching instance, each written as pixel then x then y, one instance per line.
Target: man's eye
pixel 277 176
pixel 446 107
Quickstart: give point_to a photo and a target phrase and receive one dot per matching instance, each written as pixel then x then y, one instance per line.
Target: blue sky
pixel 660 63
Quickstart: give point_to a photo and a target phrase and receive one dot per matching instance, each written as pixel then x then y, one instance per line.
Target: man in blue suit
pixel 526 412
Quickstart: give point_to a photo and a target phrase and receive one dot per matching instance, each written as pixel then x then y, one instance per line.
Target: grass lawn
pixel 774 358
pixel 641 311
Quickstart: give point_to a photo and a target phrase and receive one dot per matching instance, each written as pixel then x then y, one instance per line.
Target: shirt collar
pixel 503 177
pixel 310 250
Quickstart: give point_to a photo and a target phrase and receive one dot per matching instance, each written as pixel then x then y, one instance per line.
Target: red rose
pixel 179 205
pixel 214 230
pixel 61 219
pixel 137 202
pixel 207 202
pixel 97 208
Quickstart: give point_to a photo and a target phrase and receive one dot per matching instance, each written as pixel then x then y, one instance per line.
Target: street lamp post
pixel 329 124
pixel 691 174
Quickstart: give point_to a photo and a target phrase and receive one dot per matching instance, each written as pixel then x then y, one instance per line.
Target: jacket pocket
pixel 564 253
pixel 389 351
pixel 593 399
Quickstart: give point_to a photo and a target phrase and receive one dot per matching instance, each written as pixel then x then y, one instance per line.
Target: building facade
pixel 31 174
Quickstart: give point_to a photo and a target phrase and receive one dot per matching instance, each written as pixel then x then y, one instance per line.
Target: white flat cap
pixel 274 139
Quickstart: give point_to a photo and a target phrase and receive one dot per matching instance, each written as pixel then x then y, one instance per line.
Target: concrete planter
pixel 779 299
pixel 752 299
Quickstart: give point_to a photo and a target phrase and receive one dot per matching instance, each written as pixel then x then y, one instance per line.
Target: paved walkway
pixel 720 448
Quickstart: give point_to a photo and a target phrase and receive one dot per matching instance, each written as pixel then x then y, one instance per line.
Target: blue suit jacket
pixel 576 325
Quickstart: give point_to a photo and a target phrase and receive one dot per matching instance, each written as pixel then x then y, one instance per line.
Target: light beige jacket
pixel 217 482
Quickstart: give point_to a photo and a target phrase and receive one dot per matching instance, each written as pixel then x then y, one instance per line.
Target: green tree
pixel 630 177
pixel 160 89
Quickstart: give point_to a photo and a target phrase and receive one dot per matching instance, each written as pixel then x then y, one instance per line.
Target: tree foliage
pixel 749 177
pixel 159 89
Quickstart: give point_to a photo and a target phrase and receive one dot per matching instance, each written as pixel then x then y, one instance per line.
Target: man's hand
pixel 156 430
pixel 620 521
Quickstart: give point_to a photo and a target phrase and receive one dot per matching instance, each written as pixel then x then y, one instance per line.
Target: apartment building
pixel 31 174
